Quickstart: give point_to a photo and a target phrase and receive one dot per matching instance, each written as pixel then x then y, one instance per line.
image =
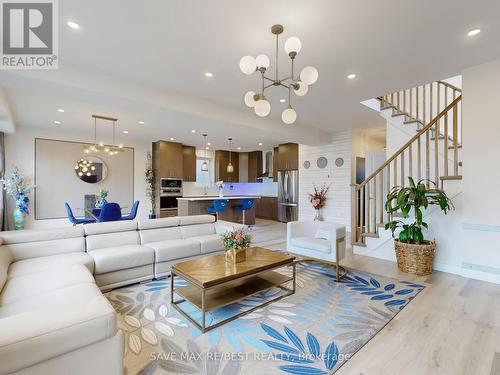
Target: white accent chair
pixel 320 240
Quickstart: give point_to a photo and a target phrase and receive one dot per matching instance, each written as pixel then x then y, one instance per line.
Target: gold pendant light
pixel 230 168
pixel 204 165
pixel 101 147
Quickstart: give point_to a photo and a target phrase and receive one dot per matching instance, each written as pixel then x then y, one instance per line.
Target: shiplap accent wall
pixel 338 205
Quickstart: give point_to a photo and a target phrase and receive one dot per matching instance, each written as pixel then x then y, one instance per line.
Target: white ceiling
pixel 146 61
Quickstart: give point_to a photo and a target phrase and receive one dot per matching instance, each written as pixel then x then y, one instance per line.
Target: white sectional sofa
pixel 53 317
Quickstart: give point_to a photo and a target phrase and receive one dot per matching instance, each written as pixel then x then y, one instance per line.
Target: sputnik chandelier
pixel 299 85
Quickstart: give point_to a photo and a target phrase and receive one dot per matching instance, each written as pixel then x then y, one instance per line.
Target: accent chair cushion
pixel 324 234
pixel 311 243
pixel 174 249
pixel 34 265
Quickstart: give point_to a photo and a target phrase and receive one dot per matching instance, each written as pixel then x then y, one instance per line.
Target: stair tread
pixel 443 178
pixel 373 235
pixel 361 244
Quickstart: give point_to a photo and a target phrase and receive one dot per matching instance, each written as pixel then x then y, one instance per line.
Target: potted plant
pixel 150 178
pixel 17 185
pixel 235 244
pixel 414 254
pixel 100 199
pixel 318 200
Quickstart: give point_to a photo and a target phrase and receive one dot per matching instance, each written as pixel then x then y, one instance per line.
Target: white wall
pixel 338 204
pixel 20 151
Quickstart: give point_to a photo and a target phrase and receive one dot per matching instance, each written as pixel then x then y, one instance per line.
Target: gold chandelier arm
pixel 293 69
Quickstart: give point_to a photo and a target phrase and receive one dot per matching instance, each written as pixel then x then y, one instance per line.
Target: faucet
pixel 205 190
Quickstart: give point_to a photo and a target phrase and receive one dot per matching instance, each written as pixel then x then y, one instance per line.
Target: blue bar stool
pixel 246 204
pixel 219 205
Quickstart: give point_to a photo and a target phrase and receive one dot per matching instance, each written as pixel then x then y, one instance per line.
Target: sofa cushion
pixel 209 243
pixel 197 230
pixel 121 257
pixel 196 219
pixel 52 331
pixel 34 265
pixel 312 243
pixel 105 240
pixel 160 234
pixel 174 249
pixel 163 222
pixel 37 235
pixel 110 227
pixel 5 261
pixel 63 297
pixel 18 288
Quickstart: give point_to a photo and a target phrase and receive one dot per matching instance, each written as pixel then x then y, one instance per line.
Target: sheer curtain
pixel 3 198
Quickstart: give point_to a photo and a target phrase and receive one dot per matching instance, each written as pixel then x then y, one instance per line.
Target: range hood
pixel 267 165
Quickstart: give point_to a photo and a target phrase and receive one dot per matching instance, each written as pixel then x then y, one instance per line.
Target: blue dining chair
pixel 219 205
pixel 133 212
pixel 246 204
pixel 110 212
pixel 75 220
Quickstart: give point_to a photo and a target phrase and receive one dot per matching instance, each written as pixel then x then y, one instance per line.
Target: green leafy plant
pixel 417 197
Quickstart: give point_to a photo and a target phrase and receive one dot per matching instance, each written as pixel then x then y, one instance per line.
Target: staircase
pixel 433 153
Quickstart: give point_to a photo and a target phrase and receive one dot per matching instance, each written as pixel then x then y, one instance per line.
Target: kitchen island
pixel 197 205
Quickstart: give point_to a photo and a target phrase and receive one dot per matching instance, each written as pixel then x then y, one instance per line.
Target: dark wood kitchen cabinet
pixel 221 162
pixel 288 156
pixel 167 159
pixel 266 208
pixel 189 163
pixel 254 165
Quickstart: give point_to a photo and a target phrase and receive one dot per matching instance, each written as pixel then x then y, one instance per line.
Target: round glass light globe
pixel 230 168
pixel 289 116
pixel 293 44
pixel 262 108
pixel 247 64
pixel 309 75
pixel 303 89
pixel 262 61
pixel 249 100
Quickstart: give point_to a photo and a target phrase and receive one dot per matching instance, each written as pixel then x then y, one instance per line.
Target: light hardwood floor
pixel 452 326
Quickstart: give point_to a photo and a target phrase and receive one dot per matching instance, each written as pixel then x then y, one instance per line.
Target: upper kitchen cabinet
pixel 286 157
pixel 254 165
pixel 189 163
pixel 221 162
pixel 167 159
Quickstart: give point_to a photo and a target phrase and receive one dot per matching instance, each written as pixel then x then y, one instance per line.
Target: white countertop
pixel 212 197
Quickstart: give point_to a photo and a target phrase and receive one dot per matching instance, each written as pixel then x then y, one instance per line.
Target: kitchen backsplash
pixel 266 188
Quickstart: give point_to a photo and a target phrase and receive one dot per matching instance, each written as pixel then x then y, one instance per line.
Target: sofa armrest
pixel 35 336
pixel 300 229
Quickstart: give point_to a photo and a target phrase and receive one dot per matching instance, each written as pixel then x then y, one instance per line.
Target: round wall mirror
pixel 322 162
pixel 307 164
pixel 339 162
pixel 91 169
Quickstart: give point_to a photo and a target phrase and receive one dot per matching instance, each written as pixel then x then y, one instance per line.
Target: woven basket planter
pixel 415 259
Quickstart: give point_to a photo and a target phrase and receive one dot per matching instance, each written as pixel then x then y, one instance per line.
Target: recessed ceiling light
pixel 172 138
pixel 239 148
pixel 141 122
pixel 209 74
pixel 73 25
pixel 57 122
pixel 60 110
pixel 125 132
pixel 282 100
pixel 260 143
pixel 193 131
pixel 474 32
pixel 206 148
pixel 208 143
pixel 351 76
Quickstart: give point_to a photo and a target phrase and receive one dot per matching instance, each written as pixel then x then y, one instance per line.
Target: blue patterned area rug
pixel 312 332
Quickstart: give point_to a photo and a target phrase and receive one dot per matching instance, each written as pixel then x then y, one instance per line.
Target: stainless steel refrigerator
pixel 288 196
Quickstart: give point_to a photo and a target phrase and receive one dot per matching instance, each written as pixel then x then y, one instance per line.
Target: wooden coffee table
pixel 214 283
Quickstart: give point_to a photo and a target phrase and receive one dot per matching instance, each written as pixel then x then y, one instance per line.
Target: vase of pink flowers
pixel 235 244
pixel 318 200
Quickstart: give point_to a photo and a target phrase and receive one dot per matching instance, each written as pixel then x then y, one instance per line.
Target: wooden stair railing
pixel 422 103
pixel 422 157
